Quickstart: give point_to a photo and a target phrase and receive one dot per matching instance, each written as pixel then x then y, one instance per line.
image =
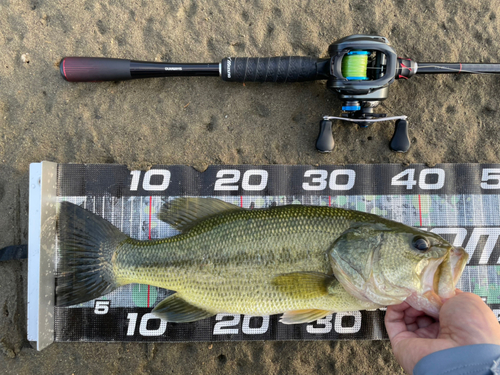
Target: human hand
pixel 463 320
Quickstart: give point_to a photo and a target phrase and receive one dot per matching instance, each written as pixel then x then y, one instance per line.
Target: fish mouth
pixel 458 262
pixel 441 277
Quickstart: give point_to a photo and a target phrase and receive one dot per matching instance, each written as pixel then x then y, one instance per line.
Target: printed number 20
pixel 230 327
pixel 228 179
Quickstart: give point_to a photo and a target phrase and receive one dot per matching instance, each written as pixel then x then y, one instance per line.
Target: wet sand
pixel 203 121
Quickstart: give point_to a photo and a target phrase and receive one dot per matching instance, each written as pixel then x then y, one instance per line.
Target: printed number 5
pixel 101 307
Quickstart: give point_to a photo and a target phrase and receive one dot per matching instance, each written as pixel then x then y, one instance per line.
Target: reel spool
pixel 354 66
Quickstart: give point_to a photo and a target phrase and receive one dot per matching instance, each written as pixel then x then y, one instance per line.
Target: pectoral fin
pixel 303 316
pixel 175 309
pixel 305 285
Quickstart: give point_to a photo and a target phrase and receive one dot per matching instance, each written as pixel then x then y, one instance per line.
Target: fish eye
pixel 420 243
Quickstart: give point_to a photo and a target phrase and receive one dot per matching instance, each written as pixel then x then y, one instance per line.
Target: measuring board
pixel 461 202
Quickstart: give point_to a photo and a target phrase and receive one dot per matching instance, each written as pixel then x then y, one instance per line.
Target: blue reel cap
pixel 351 108
pixel 357 78
pixel 359 53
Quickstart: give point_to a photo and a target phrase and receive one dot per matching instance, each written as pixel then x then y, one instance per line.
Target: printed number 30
pixel 337 324
pixel 319 181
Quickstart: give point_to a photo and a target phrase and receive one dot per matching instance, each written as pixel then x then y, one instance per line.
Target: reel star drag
pixel 360 70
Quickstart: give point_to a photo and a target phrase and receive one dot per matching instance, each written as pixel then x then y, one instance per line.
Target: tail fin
pixel 87 243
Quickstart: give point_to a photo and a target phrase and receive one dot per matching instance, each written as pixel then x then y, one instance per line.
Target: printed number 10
pixel 143 327
pixel 147 183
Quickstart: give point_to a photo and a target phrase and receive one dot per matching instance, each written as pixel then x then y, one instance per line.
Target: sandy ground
pixel 203 121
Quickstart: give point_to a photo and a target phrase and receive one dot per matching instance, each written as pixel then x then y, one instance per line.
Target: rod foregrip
pixel 272 69
pixel 88 69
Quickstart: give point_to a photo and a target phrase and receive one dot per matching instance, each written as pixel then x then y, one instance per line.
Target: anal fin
pixel 303 316
pixel 177 310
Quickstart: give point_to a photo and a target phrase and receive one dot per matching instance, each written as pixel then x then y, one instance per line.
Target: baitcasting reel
pixel 360 70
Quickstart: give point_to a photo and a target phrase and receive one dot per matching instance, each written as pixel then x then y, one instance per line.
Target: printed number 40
pixel 409 182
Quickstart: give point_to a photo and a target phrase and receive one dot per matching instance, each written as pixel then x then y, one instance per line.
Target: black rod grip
pixel 88 69
pixel 273 69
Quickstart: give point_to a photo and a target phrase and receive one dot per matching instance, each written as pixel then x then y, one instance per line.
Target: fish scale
pixel 227 263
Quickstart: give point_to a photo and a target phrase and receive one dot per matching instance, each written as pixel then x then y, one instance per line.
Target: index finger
pixel 394 319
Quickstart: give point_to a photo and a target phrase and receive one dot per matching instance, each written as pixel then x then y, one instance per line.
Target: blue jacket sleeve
pixel 480 359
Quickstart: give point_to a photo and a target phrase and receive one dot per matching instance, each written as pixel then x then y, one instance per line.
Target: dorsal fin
pixel 184 213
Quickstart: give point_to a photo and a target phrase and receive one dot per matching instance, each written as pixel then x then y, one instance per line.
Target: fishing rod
pixel 360 70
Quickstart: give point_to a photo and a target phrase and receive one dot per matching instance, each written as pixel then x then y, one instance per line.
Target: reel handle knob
pixel 325 142
pixel 400 141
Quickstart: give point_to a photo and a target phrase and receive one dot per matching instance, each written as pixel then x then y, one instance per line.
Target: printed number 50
pixel 490 174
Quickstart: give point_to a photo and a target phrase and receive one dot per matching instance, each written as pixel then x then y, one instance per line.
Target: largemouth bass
pixel 302 261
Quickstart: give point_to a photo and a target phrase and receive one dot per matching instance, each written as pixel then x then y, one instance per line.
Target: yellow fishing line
pixel 355 66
